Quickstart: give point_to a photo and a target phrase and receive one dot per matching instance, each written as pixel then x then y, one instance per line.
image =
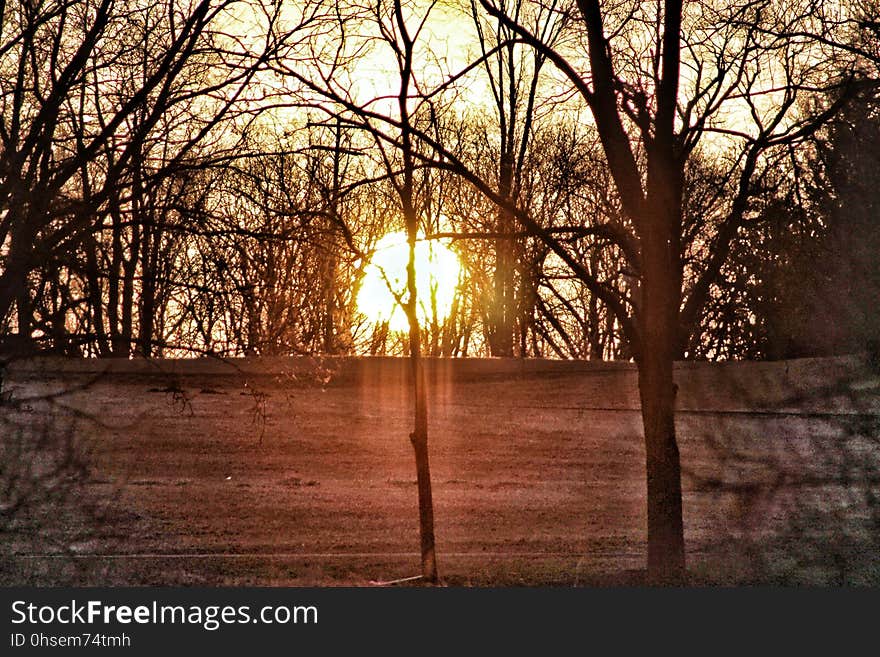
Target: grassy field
pixel 300 472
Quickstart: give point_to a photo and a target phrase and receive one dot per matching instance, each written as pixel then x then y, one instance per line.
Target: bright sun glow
pixel 437 270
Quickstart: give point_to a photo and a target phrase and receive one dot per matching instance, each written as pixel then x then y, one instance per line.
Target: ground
pixel 300 472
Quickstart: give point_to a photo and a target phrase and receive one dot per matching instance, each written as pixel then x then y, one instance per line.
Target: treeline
pixel 181 178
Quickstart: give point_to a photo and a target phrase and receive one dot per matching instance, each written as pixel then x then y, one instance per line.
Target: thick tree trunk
pixel 25 311
pixel 502 311
pixel 11 282
pixel 657 389
pixel 14 287
pixel 666 560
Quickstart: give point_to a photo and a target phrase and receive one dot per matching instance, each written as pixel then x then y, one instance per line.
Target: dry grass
pixel 263 476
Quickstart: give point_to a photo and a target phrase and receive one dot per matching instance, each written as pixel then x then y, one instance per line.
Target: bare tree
pixel 513 74
pixel 651 108
pixel 401 38
pixel 102 102
pixel 735 57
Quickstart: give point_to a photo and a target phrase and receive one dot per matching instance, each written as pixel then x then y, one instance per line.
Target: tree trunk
pixel 12 281
pixel 151 241
pixel 666 560
pixel 147 319
pixel 14 287
pixel 95 296
pixel 503 307
pixel 657 389
pixel 328 317
pixel 501 312
pixel 419 436
pixel 419 439
pixel 117 343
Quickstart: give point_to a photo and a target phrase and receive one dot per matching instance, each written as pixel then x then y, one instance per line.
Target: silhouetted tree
pixel 102 103
pixel 822 298
pixel 513 74
pixel 651 120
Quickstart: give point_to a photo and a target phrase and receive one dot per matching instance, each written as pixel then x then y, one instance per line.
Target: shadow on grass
pixel 796 496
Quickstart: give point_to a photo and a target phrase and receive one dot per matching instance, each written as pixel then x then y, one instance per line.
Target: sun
pixel 437 273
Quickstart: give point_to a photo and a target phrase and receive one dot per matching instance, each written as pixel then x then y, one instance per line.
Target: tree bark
pixel 14 287
pixel 503 307
pixel 419 439
pixel 95 295
pixel 666 559
pixel 657 390
pixel 419 436
pixel 147 305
